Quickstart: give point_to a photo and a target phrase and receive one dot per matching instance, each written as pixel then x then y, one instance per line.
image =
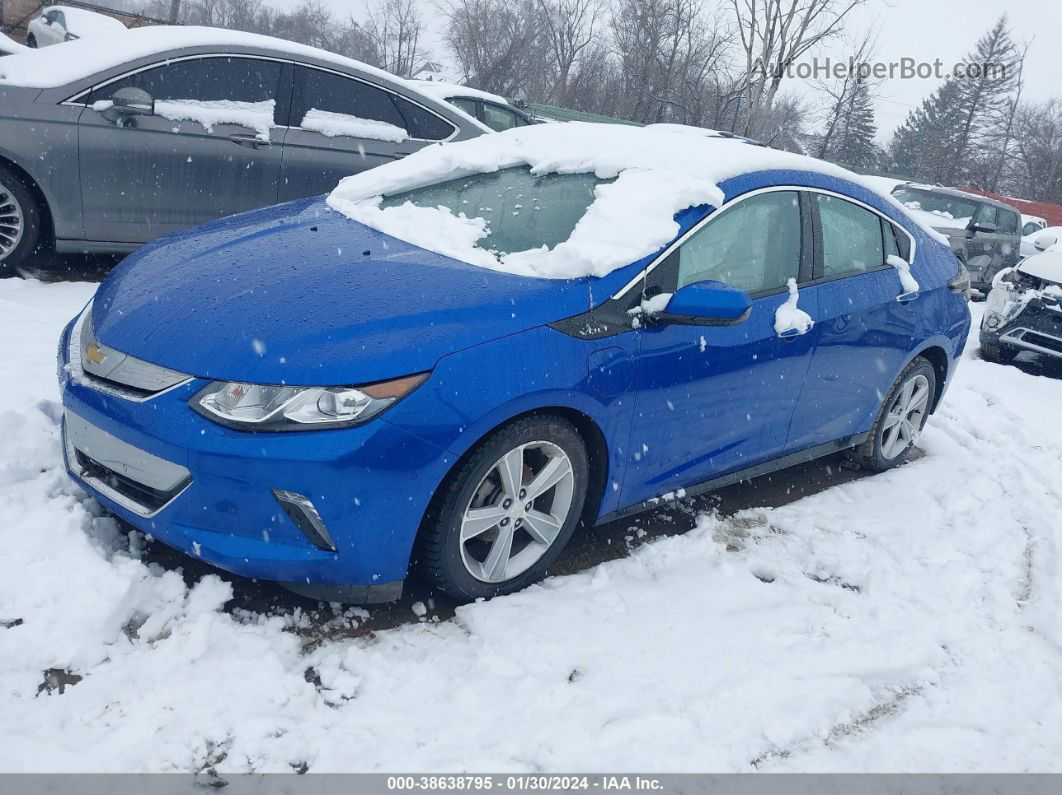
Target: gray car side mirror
pixel 127 102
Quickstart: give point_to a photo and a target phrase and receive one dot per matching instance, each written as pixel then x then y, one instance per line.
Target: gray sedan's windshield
pixel 523 211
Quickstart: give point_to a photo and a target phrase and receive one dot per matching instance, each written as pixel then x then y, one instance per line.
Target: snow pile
pixel 657 171
pixel 257 116
pixel 903 268
pixel 789 317
pixel 334 125
pixel 910 621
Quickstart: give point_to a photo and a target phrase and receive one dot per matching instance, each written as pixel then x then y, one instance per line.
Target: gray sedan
pixel 109 147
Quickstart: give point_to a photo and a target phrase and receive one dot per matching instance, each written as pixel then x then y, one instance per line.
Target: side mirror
pixel 1044 242
pixel 706 303
pixel 985 227
pixel 127 102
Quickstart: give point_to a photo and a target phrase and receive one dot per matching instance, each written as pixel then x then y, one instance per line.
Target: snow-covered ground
pixel 907 621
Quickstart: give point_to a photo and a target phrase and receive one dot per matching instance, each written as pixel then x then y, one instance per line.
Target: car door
pixel 864 331
pixel 210 149
pixel 712 400
pixel 341 125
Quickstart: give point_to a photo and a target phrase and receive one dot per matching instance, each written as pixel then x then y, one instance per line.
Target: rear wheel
pixel 505 515
pixel 902 417
pixel 20 222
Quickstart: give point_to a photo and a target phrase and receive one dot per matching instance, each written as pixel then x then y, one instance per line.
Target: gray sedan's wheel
pixel 506 514
pixel 20 222
pixel 902 417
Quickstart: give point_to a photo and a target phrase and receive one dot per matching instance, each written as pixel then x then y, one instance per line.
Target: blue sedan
pixel 293 395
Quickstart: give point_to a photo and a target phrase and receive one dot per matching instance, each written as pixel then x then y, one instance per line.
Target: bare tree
pixel 395 28
pixel 774 35
pixel 568 26
pixel 500 45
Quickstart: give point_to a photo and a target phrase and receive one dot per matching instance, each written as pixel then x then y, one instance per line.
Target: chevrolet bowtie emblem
pixel 94 353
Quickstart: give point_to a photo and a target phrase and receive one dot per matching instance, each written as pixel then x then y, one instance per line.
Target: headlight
pixel 297 408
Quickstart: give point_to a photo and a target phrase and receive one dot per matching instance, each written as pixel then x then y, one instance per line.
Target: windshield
pixel 950 208
pixel 523 211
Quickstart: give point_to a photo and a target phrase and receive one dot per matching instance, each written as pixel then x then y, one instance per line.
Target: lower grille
pixel 150 499
pixel 133 478
pixel 1043 341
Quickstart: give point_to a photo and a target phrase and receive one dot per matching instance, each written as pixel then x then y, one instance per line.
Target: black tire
pixel 17 200
pixel 440 555
pixel 991 352
pixel 872 453
pixel 31 41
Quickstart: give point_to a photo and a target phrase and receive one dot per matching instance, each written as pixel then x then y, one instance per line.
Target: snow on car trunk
pixel 906 621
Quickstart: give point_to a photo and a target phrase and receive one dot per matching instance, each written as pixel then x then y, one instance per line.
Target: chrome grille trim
pixel 124 376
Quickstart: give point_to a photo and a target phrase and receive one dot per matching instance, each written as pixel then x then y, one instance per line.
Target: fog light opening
pixel 301 511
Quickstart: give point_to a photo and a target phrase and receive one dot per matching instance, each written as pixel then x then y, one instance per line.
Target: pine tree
pixel 853 140
pixel 938 141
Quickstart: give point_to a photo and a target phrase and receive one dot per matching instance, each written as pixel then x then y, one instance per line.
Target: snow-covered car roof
pixel 86 57
pixel 84 23
pixel 9 46
pixel 446 91
pixel 655 171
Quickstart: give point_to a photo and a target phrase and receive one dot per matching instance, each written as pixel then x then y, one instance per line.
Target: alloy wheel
pixel 903 422
pixel 517 511
pixel 12 222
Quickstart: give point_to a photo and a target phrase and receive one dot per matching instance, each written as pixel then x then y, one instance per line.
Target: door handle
pixel 400 155
pixel 792 333
pixel 252 141
pixel 906 298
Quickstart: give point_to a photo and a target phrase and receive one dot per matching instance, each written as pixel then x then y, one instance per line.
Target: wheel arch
pixel 937 356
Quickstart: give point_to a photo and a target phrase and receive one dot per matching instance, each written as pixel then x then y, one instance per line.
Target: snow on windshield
pixel 654 172
pixel 334 125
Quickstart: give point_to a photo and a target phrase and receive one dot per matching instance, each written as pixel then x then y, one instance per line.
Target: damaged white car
pixel 1024 310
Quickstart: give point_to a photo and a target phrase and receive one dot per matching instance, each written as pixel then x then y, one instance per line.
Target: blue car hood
pixel 301 295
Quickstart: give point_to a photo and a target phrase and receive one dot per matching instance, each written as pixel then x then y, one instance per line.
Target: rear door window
pixel 1008 222
pixel 852 240
pixel 499 118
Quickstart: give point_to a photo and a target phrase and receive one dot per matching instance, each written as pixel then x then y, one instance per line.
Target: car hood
pixel 1046 265
pixel 301 295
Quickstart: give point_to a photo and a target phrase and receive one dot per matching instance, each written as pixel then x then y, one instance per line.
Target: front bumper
pixel 209 491
pixel 1037 328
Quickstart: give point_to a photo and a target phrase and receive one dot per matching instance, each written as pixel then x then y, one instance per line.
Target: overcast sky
pixel 921 29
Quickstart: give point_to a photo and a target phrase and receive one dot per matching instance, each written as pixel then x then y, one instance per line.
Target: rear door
pixel 341 125
pixel 210 150
pixel 864 332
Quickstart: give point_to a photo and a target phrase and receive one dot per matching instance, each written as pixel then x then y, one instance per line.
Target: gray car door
pixel 340 125
pixel 210 149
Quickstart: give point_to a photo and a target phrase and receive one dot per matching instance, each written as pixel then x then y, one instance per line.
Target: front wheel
pixel 902 417
pixel 31 41
pixel 505 515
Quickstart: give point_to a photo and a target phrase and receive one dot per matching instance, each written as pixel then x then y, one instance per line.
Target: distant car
pixel 1040 239
pixel 494 111
pixel 57 24
pixel 1030 224
pixel 9 46
pixel 106 148
pixel 983 233
pixel 555 326
pixel 1024 310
